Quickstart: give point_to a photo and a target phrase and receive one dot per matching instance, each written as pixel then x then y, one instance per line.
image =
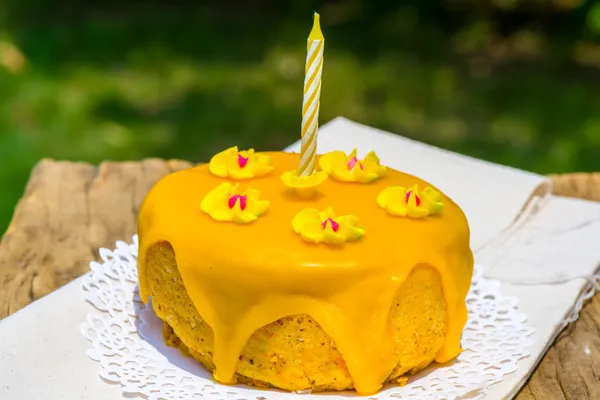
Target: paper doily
pixel 126 340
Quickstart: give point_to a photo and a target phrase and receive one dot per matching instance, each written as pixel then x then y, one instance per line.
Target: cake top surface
pixel 173 208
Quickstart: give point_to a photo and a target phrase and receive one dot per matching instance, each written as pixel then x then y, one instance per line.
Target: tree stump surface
pixel 70 210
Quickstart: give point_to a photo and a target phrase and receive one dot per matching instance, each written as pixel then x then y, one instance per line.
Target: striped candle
pixel 310 104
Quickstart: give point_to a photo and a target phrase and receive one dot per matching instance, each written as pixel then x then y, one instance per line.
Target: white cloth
pixel 43 354
pixel 558 243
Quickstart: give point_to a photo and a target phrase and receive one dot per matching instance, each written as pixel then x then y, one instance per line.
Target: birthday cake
pixel 299 272
pixel 350 277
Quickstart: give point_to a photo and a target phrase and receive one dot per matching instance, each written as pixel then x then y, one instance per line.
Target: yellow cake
pixel 346 279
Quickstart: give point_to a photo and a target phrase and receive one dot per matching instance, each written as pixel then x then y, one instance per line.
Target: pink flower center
pixel 242 161
pixel 334 225
pixel 416 198
pixel 352 163
pixel 233 199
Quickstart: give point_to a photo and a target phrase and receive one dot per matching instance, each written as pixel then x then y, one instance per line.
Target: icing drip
pixel 238 286
pixel 233 199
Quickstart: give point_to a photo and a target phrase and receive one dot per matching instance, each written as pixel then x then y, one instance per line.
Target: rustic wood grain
pixel 69 210
pixel 581 185
pixel 570 370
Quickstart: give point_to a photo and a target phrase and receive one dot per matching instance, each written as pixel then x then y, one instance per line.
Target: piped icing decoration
pixel 348 168
pixel 245 164
pixel 403 202
pixel 324 227
pixel 227 203
pixel 304 186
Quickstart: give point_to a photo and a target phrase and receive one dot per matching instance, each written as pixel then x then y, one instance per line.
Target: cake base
pixel 294 353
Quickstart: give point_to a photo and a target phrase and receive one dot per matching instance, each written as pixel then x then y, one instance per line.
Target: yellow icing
pixel 324 227
pixel 243 277
pixel 293 180
pixel 403 202
pixel 348 168
pixel 227 203
pixel 244 164
pixel 303 186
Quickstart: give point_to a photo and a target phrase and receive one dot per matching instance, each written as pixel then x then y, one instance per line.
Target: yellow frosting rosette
pixel 227 203
pixel 403 202
pixel 348 168
pixel 244 164
pixel 303 186
pixel 324 227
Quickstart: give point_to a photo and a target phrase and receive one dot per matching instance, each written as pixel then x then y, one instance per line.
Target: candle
pixel 310 104
pixel 303 181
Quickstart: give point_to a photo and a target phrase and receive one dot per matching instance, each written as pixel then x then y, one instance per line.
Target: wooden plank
pixel 69 210
pixel 581 185
pixel 570 370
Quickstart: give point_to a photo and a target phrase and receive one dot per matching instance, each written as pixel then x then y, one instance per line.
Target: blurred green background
pixel 511 81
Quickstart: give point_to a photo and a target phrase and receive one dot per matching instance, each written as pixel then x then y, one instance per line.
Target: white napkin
pixel 558 243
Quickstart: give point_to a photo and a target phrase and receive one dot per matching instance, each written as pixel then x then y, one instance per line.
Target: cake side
pixel 241 278
pixel 294 353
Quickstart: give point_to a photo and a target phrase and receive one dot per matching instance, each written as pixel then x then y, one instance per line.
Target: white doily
pixel 126 339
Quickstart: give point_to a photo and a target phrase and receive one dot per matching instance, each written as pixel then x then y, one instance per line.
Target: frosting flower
pixel 400 201
pixel 303 186
pixel 227 203
pixel 324 227
pixel 348 168
pixel 235 164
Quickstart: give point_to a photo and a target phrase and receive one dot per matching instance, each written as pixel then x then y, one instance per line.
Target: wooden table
pixel 69 210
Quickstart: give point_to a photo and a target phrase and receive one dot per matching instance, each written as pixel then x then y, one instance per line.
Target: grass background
pixel 511 81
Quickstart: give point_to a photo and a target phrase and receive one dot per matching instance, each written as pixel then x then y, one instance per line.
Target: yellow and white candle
pixel 311 102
